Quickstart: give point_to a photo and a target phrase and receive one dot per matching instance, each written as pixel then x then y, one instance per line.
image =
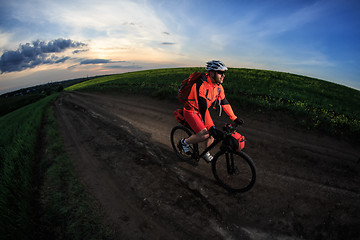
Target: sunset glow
pixel 43 41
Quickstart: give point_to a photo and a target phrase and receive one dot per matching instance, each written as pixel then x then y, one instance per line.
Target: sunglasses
pixel 220 72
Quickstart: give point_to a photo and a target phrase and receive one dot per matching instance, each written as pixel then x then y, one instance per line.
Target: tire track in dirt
pixel 97 175
pixel 307 183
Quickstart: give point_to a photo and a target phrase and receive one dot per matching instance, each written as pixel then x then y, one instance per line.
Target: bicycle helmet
pixel 215 65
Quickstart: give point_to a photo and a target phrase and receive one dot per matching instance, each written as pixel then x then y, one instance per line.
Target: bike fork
pixel 230 163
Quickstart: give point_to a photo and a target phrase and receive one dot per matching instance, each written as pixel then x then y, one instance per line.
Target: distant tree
pixel 60 88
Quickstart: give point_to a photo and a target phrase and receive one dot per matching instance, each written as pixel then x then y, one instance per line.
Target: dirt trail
pixel 307 187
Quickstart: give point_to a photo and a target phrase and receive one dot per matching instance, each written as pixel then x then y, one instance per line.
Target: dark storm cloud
pixel 36 53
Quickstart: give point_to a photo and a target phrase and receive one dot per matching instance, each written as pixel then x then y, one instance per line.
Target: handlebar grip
pixel 238 122
pixel 229 128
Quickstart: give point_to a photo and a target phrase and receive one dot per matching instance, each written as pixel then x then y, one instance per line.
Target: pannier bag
pixel 179 116
pixel 239 142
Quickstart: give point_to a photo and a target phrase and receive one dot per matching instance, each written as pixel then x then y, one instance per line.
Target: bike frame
pixel 227 154
pixel 197 156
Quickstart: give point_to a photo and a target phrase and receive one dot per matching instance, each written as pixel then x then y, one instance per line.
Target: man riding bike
pixel 204 93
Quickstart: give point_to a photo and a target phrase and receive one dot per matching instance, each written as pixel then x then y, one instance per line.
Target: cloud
pixel 107 64
pixel 94 61
pixel 98 61
pixel 136 33
pixel 123 67
pixel 62 60
pixel 79 51
pixel 168 43
pixel 36 53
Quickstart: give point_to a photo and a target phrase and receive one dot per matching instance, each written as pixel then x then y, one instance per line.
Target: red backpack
pixel 186 84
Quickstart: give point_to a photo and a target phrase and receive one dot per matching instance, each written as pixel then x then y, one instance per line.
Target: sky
pixel 45 41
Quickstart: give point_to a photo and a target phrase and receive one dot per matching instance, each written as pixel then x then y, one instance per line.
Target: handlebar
pixel 229 128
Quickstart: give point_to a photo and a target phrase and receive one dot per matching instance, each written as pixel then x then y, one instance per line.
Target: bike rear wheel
pixel 235 171
pixel 178 133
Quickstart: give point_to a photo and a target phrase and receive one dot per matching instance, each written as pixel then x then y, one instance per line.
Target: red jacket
pixel 203 95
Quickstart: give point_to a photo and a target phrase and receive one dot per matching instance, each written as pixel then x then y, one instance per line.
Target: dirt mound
pixel 307 187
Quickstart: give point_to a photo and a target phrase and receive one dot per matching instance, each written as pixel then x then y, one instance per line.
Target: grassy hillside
pixel 316 104
pixel 18 143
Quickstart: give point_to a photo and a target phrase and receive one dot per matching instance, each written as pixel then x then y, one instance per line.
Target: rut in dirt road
pixel 120 146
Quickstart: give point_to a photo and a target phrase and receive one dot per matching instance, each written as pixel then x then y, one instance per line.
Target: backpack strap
pixel 203 77
pixel 218 102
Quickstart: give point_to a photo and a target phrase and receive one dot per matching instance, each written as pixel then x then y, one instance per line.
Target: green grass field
pixel 64 206
pixel 18 144
pixel 316 104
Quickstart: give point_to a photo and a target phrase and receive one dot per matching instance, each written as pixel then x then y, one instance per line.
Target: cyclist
pixel 205 93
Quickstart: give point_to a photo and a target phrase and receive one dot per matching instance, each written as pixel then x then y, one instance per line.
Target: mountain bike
pixel 233 169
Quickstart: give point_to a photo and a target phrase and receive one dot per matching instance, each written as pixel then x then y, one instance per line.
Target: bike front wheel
pixel 178 133
pixel 235 171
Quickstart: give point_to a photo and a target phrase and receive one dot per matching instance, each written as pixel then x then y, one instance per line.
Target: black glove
pixel 217 134
pixel 239 121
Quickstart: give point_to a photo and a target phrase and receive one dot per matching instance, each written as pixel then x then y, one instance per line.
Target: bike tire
pixel 177 133
pixel 240 177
